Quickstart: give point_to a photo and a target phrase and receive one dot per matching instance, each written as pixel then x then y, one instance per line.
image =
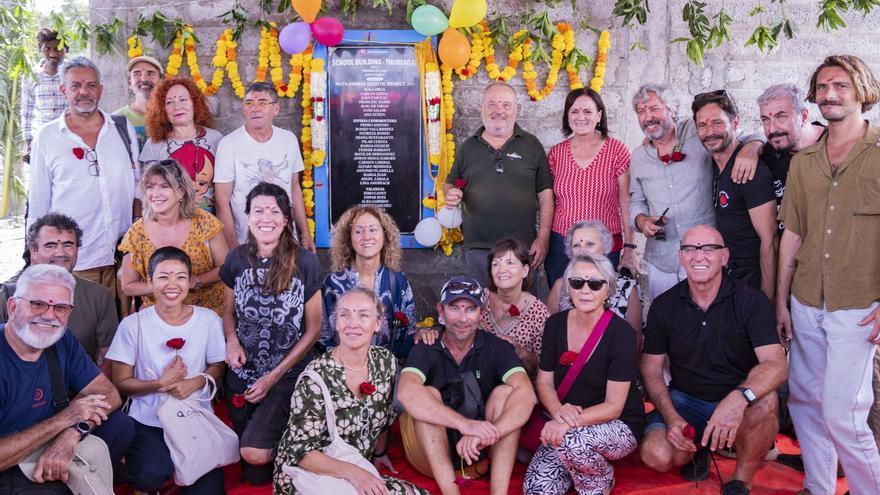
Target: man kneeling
pixel 465 392
pixel 726 362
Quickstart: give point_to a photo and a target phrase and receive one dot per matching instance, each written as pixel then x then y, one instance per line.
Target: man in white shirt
pixel 81 165
pixel 258 152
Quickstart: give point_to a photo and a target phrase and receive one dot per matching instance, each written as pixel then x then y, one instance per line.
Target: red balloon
pixel 328 31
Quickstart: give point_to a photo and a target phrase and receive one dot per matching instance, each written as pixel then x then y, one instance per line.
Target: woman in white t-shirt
pixel 163 350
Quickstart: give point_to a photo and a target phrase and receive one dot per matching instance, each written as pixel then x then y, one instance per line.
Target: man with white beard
pixel 35 339
pixel 144 73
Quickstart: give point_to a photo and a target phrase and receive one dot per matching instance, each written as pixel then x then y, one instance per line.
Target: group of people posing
pixel 740 268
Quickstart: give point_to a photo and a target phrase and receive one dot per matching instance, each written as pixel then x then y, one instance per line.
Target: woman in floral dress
pixel 360 378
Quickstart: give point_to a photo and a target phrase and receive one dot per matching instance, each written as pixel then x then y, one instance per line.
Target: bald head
pixel 702 234
pixel 703 255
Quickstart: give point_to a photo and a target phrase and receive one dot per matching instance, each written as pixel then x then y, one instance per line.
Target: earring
pixel 607 304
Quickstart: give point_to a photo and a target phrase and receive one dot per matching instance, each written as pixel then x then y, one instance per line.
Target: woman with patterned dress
pixel 591 237
pixel 171 218
pixel 179 127
pixel 601 418
pixel 365 252
pixel 590 180
pixel 360 378
pixel 512 313
pixel 272 319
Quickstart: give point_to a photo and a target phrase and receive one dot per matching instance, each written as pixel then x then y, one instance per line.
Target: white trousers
pixel 660 281
pixel 831 394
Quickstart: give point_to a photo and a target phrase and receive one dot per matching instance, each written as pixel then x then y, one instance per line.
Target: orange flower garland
pixel 561 49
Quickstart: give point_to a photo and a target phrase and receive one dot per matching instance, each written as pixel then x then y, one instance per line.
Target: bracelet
pixel 629 245
pixel 380 454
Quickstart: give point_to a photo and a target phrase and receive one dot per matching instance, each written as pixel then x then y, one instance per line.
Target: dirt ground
pixel 11 246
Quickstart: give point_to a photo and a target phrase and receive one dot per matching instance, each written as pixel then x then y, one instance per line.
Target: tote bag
pixel 307 482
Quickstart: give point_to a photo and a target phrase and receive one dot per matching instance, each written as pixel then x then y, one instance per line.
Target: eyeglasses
pixel 39 307
pixel 595 284
pixel 251 104
pixel 459 287
pixel 92 158
pixel 499 165
pixel 705 248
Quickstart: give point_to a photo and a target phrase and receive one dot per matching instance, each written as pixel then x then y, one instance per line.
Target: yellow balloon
pixel 454 48
pixel 466 13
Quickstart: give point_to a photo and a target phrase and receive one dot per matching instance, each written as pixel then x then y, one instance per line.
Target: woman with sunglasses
pixel 512 313
pixel 590 180
pixel 179 127
pixel 360 378
pixel 171 218
pixel 601 418
pixel 272 320
pixel 591 237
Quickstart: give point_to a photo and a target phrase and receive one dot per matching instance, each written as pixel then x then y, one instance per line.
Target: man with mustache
pixel 82 167
pixel 745 214
pixel 36 337
pixel 144 73
pixel 41 100
pixel 500 174
pixel 671 176
pixel 830 265
pixel 55 239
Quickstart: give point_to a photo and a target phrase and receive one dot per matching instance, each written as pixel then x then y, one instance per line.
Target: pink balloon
pixel 328 31
pixel 295 38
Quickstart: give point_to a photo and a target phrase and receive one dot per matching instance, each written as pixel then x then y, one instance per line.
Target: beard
pixel 725 138
pixel 665 126
pixel 41 340
pixel 85 107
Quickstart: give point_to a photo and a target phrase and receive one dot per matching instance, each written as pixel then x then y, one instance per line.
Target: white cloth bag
pixel 307 482
pixel 197 439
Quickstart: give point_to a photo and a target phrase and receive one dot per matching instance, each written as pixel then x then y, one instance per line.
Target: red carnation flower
pixel 176 343
pixel 568 358
pixel 283 87
pixel 533 98
pixel 238 401
pixel 513 310
pixel 79 153
pixel 463 482
pixel 367 388
pixel 689 432
pixel 677 156
pixel 401 318
pixel 460 183
pixel 464 72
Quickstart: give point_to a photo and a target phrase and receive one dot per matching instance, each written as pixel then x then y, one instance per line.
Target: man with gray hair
pixel 82 166
pixel 41 361
pixel 671 182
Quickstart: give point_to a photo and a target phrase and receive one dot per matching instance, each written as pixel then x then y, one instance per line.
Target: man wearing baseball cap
pixel 144 73
pixel 465 394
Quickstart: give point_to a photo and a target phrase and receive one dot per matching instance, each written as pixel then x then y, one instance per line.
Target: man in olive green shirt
pixel 830 264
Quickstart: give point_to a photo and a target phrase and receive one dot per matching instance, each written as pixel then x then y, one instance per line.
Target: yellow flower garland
pixel 174 60
pixel 601 59
pixel 479 40
pixel 513 59
pixel 306 137
pixel 135 47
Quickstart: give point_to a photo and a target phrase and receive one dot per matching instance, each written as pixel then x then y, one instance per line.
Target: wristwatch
pixel 748 394
pixel 83 429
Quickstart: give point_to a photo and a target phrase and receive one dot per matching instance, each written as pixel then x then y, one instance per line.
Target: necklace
pixel 349 368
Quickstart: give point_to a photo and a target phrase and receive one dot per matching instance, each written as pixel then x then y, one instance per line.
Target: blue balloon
pixel 295 38
pixel 429 20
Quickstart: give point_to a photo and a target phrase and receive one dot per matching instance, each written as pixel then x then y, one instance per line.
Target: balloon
pixel 328 31
pixel 307 9
pixel 449 217
pixel 429 20
pixel 455 51
pixel 428 232
pixel 295 38
pixel 466 13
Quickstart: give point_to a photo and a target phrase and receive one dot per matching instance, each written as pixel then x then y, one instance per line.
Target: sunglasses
pixel 39 307
pixel 705 248
pixel 595 284
pixel 457 288
pixel 499 164
pixel 719 96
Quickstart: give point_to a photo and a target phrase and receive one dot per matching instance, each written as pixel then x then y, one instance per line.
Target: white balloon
pixel 449 217
pixel 428 232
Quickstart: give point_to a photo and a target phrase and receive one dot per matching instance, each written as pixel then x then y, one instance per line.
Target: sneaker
pixel 698 468
pixel 735 487
pixel 730 453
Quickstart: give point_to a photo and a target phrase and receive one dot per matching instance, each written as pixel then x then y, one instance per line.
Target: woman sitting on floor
pixel 147 366
pixel 360 380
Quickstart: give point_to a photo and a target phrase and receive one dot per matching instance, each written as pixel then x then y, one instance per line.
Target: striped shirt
pixel 41 103
pixel 589 193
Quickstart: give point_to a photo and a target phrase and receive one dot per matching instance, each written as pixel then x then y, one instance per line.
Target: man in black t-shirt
pixel 745 214
pixel 720 337
pixel 465 392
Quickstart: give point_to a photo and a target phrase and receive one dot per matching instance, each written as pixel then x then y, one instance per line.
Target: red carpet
pixel 632 477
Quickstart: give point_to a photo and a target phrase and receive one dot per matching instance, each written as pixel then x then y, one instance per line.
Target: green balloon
pixel 429 20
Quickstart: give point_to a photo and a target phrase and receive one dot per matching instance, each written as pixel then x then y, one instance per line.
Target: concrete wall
pixel 745 72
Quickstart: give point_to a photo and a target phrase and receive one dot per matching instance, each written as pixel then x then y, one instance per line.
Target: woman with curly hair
pixel 179 127
pixel 365 252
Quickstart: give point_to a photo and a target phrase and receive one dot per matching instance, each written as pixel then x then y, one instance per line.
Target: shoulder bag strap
pixel 59 389
pixel 121 124
pixel 392 286
pixel 584 355
pixel 329 409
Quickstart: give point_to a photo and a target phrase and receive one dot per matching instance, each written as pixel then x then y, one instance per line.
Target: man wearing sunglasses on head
pixel 40 360
pixel 719 335
pixel 466 394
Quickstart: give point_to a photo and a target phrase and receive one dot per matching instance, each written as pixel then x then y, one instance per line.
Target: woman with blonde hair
pixel 365 252
pixel 172 218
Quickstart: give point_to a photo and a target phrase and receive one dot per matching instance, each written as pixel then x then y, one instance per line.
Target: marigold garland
pixel 561 49
pixel 308 182
pixel 601 59
pixel 513 58
pixel 174 59
pixel 480 39
pixel 135 47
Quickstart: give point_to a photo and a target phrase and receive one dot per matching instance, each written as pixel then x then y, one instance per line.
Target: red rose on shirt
pixel 367 388
pixel 568 358
pixel 176 343
pixel 513 310
pixel 401 318
pixel 79 153
pixel 460 183
pixel 677 156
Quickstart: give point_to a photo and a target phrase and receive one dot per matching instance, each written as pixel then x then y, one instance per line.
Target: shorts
pixel 695 411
